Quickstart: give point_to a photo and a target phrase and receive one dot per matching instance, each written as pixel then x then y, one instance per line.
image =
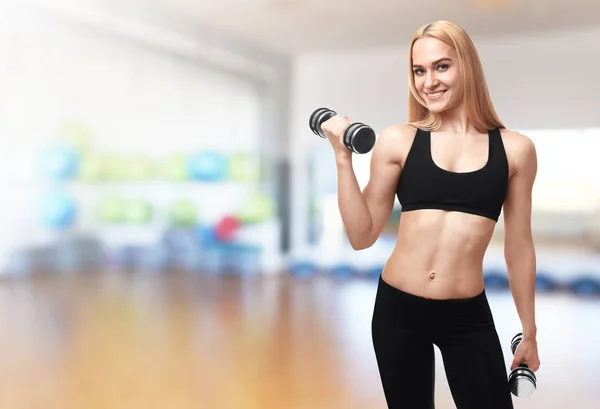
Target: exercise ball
pixel 226 228
pixel 138 211
pixel 128 168
pixel 205 234
pixel 58 210
pixel 256 208
pixel 92 168
pixel 59 162
pixel 183 213
pixel 136 168
pixel 208 166
pixel 112 167
pixel 111 210
pixel 243 168
pixel 175 167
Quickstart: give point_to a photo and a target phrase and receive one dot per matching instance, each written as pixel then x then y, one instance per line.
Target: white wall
pixel 538 81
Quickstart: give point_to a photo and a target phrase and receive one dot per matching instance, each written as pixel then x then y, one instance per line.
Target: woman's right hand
pixel 334 129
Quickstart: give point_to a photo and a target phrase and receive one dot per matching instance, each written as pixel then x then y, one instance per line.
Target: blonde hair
pixel 480 110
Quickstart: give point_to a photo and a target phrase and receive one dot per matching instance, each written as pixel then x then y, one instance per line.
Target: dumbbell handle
pixel 522 379
pixel 515 345
pixel 358 137
pixel 316 127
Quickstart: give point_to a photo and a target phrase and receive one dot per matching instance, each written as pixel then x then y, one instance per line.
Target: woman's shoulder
pixel 401 131
pixel 397 135
pixel 395 141
pixel 516 144
pixel 515 139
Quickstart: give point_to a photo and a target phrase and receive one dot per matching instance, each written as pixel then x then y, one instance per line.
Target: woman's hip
pixel 397 309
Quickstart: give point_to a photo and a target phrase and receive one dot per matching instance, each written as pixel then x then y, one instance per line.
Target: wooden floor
pixel 172 341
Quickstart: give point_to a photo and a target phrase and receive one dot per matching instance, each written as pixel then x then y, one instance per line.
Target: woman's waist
pixel 440 276
pixel 423 311
pixel 424 253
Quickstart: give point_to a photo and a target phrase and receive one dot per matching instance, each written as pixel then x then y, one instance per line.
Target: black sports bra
pixel 424 185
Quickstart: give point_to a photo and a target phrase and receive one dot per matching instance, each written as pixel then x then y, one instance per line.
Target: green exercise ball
pixel 243 168
pixel 113 168
pixel 138 211
pixel 175 167
pixel 135 168
pixel 92 168
pixel 183 213
pixel 257 208
pixel 111 210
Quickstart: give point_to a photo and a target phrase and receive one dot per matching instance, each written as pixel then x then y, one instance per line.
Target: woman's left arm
pixel 519 251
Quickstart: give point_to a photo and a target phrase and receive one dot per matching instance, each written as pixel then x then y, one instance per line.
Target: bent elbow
pixel 357 246
pixel 361 244
pixel 361 240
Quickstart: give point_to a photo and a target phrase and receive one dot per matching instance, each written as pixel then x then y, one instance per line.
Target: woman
pixel 453 168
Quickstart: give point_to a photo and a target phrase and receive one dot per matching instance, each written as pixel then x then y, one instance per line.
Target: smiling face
pixel 436 74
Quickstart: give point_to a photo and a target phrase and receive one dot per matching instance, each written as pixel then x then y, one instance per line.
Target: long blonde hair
pixel 480 110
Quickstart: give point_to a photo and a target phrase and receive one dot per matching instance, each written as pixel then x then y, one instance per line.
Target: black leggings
pixel 405 327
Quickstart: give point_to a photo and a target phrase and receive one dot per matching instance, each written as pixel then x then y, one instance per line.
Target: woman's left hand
pixel 527 353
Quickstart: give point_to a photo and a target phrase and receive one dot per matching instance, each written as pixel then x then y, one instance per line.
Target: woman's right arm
pixel 366 213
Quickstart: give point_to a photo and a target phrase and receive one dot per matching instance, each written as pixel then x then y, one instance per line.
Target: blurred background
pixel 169 230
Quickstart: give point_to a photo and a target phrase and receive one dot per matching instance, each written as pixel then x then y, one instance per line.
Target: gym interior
pixel 169 233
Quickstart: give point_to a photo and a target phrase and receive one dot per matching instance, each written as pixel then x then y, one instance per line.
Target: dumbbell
pixel 522 380
pixel 358 137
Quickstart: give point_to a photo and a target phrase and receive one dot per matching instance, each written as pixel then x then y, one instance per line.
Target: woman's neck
pixel 456 121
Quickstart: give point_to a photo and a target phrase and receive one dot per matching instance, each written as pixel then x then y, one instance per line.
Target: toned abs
pixel 439 254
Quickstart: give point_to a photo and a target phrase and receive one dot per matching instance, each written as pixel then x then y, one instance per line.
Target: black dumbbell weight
pixel 317 118
pixel 522 380
pixel 358 137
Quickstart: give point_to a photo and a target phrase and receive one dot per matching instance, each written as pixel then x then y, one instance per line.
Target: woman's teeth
pixel 435 95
